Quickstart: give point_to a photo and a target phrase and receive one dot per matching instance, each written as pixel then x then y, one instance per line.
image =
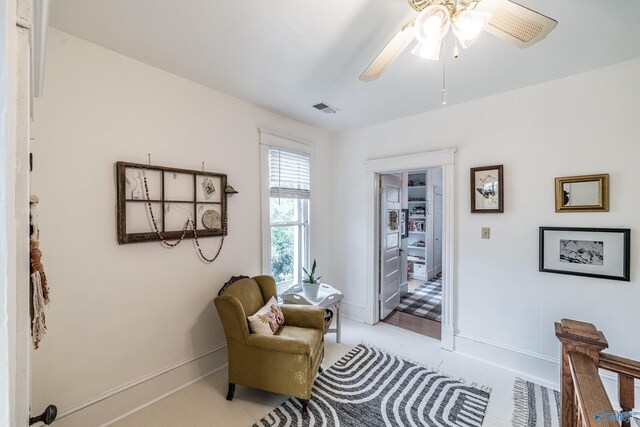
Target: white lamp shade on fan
pixel 430 49
pixel 469 25
pixel 431 25
pixel 433 21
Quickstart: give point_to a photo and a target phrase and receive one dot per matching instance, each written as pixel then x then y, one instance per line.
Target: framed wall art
pixel 587 193
pixel 487 189
pixel 591 252
pixel 155 201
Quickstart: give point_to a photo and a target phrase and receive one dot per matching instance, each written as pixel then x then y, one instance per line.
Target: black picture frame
pixel 404 223
pixel 574 259
pixel 475 192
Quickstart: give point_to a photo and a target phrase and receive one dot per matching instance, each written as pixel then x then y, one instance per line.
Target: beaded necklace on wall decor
pixel 188 222
pixel 190 191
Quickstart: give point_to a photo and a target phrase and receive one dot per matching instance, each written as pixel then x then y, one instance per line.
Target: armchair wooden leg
pixel 232 389
pixel 304 403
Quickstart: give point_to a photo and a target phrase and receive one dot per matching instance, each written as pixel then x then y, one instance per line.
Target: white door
pixel 390 240
pixel 437 229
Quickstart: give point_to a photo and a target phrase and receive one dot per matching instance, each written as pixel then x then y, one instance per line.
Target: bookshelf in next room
pixel 416 243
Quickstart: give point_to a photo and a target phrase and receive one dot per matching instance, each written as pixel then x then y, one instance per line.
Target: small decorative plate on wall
pixel 211 220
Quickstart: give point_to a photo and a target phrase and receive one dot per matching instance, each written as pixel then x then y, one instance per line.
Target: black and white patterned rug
pixel 370 387
pixel 424 301
pixel 535 405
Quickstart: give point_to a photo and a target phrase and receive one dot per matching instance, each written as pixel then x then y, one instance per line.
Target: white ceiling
pixel 286 55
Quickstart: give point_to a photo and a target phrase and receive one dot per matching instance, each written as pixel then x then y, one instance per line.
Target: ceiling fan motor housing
pixel 420 5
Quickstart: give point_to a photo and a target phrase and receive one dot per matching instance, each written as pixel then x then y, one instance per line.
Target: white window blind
pixel 289 174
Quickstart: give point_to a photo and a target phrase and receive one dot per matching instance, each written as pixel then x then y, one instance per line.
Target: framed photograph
pixel 591 252
pixel 587 193
pixel 487 190
pixel 404 222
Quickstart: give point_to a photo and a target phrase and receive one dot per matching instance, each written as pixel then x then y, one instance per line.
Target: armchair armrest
pixel 303 316
pixel 278 343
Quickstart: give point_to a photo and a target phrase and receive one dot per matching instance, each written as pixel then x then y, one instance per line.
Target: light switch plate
pixel 486 233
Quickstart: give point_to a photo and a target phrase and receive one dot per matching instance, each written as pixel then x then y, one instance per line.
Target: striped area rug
pixel 535 405
pixel 424 301
pixel 370 387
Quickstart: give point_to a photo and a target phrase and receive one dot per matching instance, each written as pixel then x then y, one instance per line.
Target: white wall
pixel 7 208
pixel 122 313
pixel 583 124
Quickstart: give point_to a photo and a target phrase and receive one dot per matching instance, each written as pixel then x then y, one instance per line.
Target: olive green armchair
pixel 286 362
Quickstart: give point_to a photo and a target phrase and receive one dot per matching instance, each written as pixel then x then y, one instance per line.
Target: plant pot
pixel 311 289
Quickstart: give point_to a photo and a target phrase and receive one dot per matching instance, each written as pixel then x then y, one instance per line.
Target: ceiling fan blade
pixel 395 47
pixel 515 23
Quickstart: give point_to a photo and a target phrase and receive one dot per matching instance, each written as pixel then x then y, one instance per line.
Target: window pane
pixel 283 253
pixel 283 210
pixel 288 210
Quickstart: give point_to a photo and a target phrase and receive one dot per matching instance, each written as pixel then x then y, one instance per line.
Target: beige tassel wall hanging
pixel 39 286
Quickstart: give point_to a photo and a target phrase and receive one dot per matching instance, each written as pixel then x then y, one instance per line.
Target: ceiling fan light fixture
pixel 430 49
pixel 432 22
pixel 469 25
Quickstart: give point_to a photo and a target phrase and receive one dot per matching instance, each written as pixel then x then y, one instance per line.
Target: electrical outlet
pixel 486 233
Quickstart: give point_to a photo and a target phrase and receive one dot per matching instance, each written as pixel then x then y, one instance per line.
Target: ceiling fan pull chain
pixel 444 73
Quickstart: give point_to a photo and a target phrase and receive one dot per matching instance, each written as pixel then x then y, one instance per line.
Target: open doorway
pixel 410 251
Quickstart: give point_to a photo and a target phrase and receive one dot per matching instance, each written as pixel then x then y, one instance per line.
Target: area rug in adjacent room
pixel 424 301
pixel 370 387
pixel 535 405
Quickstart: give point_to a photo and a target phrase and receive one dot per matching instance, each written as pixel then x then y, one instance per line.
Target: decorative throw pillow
pixel 267 320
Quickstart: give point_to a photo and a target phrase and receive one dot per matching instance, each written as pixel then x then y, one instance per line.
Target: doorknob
pixel 47 417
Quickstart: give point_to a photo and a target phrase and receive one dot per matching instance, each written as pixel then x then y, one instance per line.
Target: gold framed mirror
pixel 586 193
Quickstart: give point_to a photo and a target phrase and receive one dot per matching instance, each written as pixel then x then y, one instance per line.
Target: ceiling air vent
pixel 325 108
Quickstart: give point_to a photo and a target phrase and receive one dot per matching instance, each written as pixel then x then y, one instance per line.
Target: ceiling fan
pixel 467 19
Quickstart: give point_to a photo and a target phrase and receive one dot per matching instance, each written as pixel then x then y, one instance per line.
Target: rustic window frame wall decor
pixel 161 203
pixel 475 193
pixel 603 193
pixel 613 258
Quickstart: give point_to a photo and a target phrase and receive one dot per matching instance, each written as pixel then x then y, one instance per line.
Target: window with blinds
pixel 289 192
pixel 289 174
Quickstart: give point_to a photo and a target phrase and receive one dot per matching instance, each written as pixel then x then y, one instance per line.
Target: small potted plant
pixel 311 283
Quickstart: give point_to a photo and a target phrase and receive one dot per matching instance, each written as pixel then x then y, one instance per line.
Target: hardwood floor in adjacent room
pixel 203 402
pixel 416 324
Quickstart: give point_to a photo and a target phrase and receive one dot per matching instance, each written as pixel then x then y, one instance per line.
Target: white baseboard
pixel 355 312
pixel 121 401
pixel 535 367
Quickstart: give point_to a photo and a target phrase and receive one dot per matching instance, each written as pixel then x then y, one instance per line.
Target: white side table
pixel 328 298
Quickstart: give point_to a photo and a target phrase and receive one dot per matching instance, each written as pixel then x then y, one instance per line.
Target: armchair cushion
pixel 288 339
pixel 312 338
pixel 267 320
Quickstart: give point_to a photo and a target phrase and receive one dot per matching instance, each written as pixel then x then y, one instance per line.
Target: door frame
pixel 432 159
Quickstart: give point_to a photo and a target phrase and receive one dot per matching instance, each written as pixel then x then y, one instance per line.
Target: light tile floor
pixel 203 403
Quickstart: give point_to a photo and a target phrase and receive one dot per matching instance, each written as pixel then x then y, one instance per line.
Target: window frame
pixel 270 140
